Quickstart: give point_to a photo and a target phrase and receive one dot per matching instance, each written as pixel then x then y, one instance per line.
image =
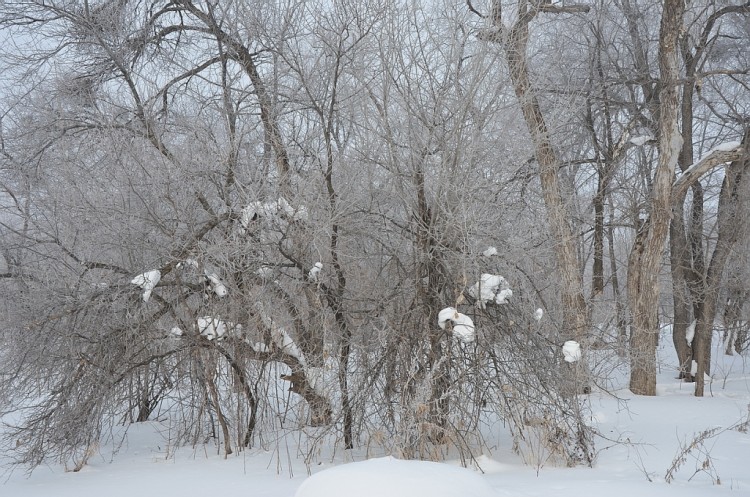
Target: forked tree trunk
pixel 729 223
pixel 646 255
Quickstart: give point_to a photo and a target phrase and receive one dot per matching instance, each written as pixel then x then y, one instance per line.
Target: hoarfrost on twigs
pixel 572 351
pixel 147 281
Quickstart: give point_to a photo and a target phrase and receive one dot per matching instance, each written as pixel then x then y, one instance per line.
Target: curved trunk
pixel 575 312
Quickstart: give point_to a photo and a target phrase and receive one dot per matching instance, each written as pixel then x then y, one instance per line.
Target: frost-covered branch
pixel 727 152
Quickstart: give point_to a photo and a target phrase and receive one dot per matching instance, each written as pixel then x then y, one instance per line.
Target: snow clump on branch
pixel 147 281
pixel 273 210
pixel 491 288
pixel 572 351
pixel 218 286
pixel 313 273
pixel 463 326
pixel 213 328
pixel 490 252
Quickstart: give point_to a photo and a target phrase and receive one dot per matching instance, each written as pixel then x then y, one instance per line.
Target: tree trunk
pixel 575 311
pixel 729 221
pixel 646 255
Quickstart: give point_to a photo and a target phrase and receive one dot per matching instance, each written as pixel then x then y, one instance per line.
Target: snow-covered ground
pixel 642 440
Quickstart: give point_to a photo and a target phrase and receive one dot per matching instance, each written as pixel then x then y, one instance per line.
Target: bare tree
pixel 514 40
pixel 209 205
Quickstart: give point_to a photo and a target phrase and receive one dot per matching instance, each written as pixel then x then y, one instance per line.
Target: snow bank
pixel 392 477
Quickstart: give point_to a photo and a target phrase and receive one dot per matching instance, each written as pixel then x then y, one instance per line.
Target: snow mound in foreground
pixel 392 477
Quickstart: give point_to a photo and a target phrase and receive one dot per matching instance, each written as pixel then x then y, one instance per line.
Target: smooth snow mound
pixel 390 477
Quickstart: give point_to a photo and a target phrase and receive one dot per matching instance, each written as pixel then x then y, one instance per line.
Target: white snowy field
pixel 643 437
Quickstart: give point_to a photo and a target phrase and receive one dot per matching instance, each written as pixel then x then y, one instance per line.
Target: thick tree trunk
pixel 575 312
pixel 680 264
pixel 729 221
pixel 646 255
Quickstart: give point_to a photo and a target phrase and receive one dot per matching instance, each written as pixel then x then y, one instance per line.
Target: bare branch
pixel 710 161
pixel 564 9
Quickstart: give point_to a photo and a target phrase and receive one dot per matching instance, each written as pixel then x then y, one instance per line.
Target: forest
pixel 374 223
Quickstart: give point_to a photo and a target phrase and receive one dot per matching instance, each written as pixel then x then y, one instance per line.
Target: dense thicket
pixel 245 217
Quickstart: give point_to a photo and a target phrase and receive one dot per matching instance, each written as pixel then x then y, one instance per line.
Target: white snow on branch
pixel 265 272
pixel 539 314
pixel 641 140
pixel 490 252
pixel 322 379
pixel 491 288
pixel 188 263
pixel 213 328
pixel 280 337
pixel 572 351
pixel 147 281
pixel 260 347
pixel 218 286
pixel 690 332
pixel 733 146
pixel 463 326
pixel 271 211
pixel 727 147
pixel 313 273
pixel 720 154
pixel 446 315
